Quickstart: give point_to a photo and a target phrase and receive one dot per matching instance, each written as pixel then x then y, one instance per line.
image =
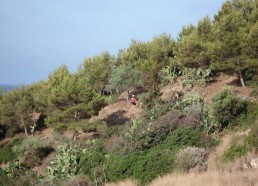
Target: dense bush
pixel 195 76
pixel 226 107
pixel 30 143
pixel 91 162
pixel 169 75
pixel 31 150
pixel 190 104
pixel 134 136
pixel 158 160
pixel 184 137
pixel 23 178
pixel 141 165
pixel 97 103
pixel 65 164
pixel 192 158
pixel 252 138
pixel 6 153
pixel 251 114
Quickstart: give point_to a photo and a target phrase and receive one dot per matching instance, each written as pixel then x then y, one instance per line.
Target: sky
pixel 38 36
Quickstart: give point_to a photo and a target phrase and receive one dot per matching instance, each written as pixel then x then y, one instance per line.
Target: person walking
pixel 133 100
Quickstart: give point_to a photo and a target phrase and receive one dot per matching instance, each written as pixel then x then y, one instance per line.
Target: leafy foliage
pixel 6 153
pixel 65 164
pixel 195 76
pixel 227 107
pixel 92 163
pixel 168 75
pixel 31 151
pixel 124 77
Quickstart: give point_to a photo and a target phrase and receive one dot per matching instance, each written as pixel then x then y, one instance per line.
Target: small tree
pixel 124 77
pixel 226 107
pixel 24 108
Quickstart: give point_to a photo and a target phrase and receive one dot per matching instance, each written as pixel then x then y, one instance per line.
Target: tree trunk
pixel 128 94
pixel 25 129
pixel 240 76
pixel 241 79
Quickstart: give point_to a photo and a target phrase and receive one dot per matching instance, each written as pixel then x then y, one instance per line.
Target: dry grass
pixel 218 174
pixel 241 178
pixel 124 183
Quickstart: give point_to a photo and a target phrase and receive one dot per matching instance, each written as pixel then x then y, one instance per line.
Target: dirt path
pixel 4 141
pixel 118 113
pixel 214 158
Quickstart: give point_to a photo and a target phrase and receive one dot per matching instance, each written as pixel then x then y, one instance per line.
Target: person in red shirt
pixel 133 100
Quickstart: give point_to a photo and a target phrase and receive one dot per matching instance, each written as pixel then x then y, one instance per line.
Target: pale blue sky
pixel 37 36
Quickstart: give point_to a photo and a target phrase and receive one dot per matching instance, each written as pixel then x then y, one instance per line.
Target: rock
pixel 254 163
pixel 245 166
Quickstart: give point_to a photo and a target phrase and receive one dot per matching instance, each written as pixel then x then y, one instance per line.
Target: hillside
pixel 122 112
pixel 195 116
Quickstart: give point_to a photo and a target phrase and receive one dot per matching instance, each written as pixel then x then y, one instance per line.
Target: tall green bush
pixel 6 153
pixel 227 107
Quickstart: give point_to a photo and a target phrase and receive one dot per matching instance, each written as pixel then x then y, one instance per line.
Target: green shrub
pixel 188 101
pixel 60 127
pixel 251 115
pixel 192 158
pixel 157 160
pixel 236 150
pixel 31 150
pixel 134 136
pixel 252 139
pixel 141 165
pixel 14 175
pixel 65 164
pixel 209 123
pixel 168 75
pixel 29 144
pixel 226 107
pixel 195 76
pixel 91 163
pixel 184 137
pixel 96 104
pixel 6 153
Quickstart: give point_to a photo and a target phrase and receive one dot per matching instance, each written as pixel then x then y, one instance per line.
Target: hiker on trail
pixel 133 100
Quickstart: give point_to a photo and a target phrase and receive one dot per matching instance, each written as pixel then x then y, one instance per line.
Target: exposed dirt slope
pixel 207 92
pixel 119 113
pixel 214 163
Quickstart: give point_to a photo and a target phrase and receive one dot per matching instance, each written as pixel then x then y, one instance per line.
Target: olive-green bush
pixel 227 107
pixel 6 153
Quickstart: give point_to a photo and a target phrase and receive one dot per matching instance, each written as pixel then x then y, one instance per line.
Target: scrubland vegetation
pixel 171 137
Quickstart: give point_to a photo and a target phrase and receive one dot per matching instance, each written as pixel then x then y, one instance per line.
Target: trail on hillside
pixel 118 113
pixel 214 162
pixel 209 90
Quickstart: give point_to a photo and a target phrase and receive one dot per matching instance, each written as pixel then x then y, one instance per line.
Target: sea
pixel 5 87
